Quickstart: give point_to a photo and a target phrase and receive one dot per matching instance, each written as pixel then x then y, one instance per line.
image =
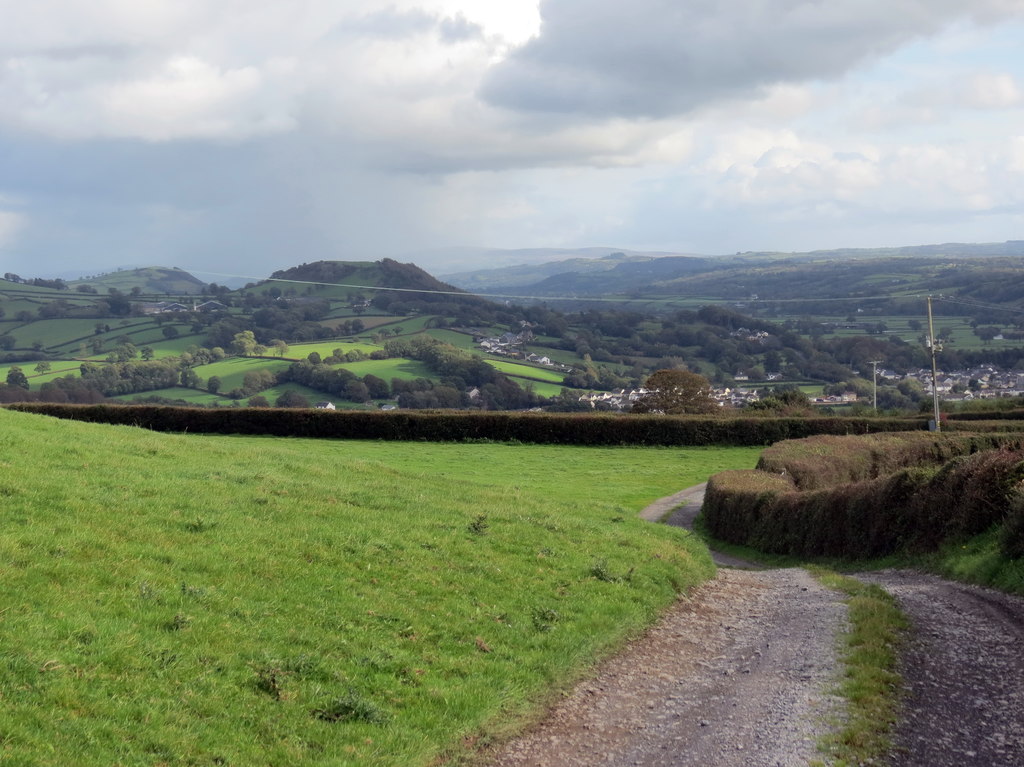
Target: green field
pixel 518 370
pixel 456 339
pixel 325 349
pixel 176 600
pixel 232 370
pixel 398 367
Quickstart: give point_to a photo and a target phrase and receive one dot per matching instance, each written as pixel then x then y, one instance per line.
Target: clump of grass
pixel 545 618
pixel 480 525
pixel 871 684
pixel 603 572
pixel 269 680
pixel 351 707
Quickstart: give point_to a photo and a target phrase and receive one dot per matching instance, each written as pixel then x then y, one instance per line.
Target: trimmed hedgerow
pixel 825 461
pixel 912 510
pixel 458 426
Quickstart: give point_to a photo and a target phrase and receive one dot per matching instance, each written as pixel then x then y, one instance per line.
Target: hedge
pixel 824 461
pixel 446 426
pixel 910 510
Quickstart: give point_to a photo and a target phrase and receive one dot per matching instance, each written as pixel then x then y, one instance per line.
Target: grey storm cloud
pixel 657 58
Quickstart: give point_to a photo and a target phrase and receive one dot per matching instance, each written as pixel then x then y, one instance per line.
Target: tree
pixel 676 391
pixel 244 344
pixel 170 332
pixel 42 367
pixel 15 377
pixel 291 399
pixel 213 384
pixel 147 353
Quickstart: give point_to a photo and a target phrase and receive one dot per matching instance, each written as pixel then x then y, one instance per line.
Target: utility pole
pixel 935 373
pixel 874 379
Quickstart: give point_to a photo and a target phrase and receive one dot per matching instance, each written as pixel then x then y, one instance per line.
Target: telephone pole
pixel 935 374
pixel 874 381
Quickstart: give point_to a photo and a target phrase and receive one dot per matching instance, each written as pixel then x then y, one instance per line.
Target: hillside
pixel 351 275
pixel 214 600
pixel 769 275
pixel 511 277
pixel 153 280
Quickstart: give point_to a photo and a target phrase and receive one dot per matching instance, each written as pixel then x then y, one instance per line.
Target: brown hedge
pixel 445 426
pixel 823 461
pixel 911 510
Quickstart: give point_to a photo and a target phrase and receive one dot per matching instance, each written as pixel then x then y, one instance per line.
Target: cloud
pixel 11 223
pixel 656 58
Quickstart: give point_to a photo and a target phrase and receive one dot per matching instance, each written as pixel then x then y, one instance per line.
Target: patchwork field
pixel 174 599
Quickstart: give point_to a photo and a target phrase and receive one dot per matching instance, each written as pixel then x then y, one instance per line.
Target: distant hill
pixel 448 262
pixel 511 277
pixel 780 275
pixel 349 275
pixel 149 280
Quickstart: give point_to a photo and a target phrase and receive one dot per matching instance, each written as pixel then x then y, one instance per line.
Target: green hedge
pixel 445 426
pixel 986 415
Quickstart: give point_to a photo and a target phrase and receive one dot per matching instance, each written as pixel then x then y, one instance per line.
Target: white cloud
pixel 11 223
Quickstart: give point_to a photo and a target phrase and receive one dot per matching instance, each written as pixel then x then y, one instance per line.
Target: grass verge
pixel 871 684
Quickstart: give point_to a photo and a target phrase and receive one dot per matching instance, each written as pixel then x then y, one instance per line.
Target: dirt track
pixel 738 673
pixel 964 670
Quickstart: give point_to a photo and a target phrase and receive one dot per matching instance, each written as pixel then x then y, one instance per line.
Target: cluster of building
pixel 512 345
pixel 623 399
pixel 982 382
pixel 173 307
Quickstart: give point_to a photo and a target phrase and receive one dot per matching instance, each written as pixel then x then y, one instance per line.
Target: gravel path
pixel 735 674
pixel 964 670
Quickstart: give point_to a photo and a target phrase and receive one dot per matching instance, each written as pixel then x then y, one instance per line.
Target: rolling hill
pixel 153 280
pixel 817 274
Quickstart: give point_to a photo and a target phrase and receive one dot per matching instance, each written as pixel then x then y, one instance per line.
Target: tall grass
pixel 176 599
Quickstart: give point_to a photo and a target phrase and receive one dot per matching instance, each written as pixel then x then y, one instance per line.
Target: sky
pixel 242 136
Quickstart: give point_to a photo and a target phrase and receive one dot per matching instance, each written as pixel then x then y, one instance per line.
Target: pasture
pixel 180 599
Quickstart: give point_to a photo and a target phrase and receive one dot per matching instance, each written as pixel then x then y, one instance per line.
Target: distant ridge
pixel 621 272
pixel 149 280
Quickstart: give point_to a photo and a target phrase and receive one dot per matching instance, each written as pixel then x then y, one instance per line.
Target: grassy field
pixel 326 348
pixel 182 600
pixel 518 370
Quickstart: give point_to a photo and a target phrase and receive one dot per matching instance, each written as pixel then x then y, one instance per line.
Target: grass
pixel 173 599
pixel 517 370
pixel 232 370
pixel 396 367
pixel 979 560
pixel 871 684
